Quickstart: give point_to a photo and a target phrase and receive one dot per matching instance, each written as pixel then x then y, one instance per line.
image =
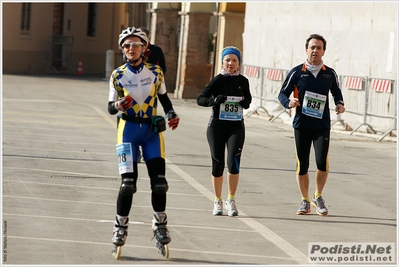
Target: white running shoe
pixel 230 205
pixel 218 208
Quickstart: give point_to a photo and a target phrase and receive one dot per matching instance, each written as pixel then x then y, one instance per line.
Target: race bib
pixel 313 105
pixel 125 157
pixel 231 110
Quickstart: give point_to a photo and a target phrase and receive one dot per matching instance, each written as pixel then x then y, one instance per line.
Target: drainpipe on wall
pixel 149 11
pixel 112 28
pixel 179 62
pixel 216 40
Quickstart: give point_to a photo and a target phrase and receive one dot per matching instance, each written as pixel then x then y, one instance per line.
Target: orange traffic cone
pixel 79 71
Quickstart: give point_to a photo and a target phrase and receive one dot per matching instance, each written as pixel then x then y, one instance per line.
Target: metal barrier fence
pixel 354 91
pixel 261 78
pixel 382 92
pixel 368 97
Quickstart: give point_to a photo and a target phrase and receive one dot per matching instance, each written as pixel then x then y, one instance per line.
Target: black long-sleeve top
pixel 228 86
pixel 155 55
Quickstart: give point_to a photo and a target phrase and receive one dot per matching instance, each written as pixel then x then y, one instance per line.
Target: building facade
pixel 55 38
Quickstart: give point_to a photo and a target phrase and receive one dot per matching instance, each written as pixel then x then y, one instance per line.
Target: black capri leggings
pixel 303 143
pixel 218 138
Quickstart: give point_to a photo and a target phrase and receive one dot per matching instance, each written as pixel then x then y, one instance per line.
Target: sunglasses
pixel 134 44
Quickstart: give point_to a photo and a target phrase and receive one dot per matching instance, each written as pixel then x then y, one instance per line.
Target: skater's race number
pixel 125 158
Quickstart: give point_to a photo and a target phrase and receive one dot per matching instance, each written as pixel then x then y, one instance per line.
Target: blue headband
pixel 231 50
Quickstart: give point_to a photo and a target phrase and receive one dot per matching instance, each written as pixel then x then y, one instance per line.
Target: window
pixel 25 18
pixel 91 19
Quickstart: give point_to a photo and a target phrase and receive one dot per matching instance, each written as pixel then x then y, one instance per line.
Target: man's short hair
pixel 317 37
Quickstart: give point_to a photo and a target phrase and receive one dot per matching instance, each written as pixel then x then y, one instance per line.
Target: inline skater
pixel 134 91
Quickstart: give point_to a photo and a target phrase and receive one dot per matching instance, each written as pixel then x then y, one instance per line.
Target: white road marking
pixel 146 247
pixel 268 234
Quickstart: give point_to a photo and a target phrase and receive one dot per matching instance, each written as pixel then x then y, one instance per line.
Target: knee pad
pixel 128 186
pixel 160 189
pixel 156 171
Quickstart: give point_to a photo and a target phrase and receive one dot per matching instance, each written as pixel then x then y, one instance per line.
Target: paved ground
pixel 60 182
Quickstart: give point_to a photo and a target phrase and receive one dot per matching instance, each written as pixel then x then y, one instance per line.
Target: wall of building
pixel 163 19
pixel 357 34
pixel 29 49
pixel 92 49
pixel 361 41
pixel 35 48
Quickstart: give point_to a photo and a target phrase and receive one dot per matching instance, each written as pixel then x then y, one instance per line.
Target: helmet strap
pixel 134 62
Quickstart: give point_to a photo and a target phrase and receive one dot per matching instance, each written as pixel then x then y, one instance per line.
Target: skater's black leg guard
pixel 156 171
pixel 159 185
pixel 160 189
pixel 158 196
pixel 128 186
pixel 126 191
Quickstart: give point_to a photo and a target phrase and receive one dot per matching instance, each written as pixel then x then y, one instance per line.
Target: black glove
pixel 244 104
pixel 219 99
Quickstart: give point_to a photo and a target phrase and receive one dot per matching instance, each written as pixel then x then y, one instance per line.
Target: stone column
pixel 231 27
pixel 194 69
pixel 164 33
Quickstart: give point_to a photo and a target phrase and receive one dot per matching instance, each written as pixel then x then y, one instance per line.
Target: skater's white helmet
pixel 132 31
